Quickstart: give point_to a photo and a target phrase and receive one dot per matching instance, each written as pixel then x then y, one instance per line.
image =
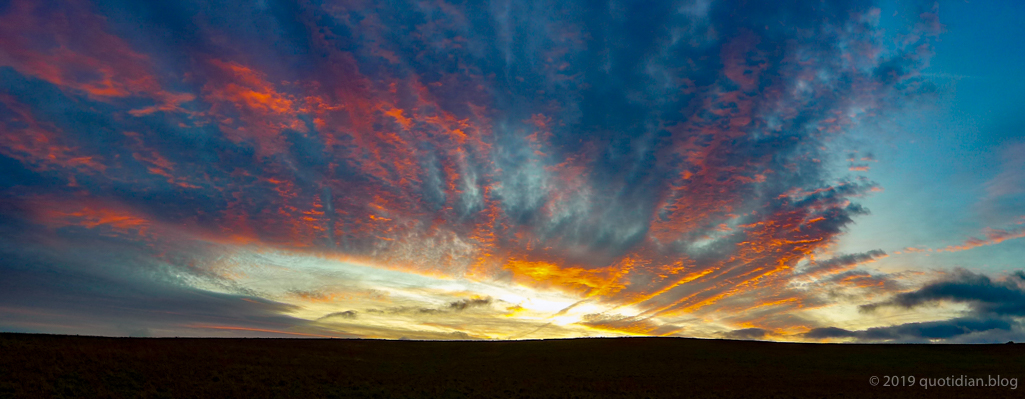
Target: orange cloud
pixel 574 279
pixel 628 325
pixel 92 214
pixel 993 236
pixel 248 107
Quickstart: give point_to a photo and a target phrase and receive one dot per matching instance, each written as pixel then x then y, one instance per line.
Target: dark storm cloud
pixel 829 332
pixel 746 333
pixel 658 153
pixel 985 296
pixel 995 308
pixel 916 332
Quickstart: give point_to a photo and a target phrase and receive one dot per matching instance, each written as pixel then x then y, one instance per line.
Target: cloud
pixel 985 296
pixel 461 335
pixel 464 304
pixel 841 263
pixel 555 152
pixel 1005 192
pixel 829 332
pixel 631 325
pixel 995 307
pixel 407 310
pixel 993 236
pixel 451 309
pixel 746 334
pixel 863 279
pixel 348 314
pixel 60 294
pixel 917 332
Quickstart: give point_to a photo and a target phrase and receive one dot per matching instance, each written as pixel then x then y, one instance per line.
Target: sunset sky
pixel 825 171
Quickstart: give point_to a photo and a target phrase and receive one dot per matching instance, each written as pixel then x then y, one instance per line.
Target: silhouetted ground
pixel 65 366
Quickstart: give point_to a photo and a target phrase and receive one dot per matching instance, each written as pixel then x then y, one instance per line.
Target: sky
pixel 820 171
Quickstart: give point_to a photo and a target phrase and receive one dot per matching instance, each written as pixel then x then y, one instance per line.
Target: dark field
pixel 64 366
